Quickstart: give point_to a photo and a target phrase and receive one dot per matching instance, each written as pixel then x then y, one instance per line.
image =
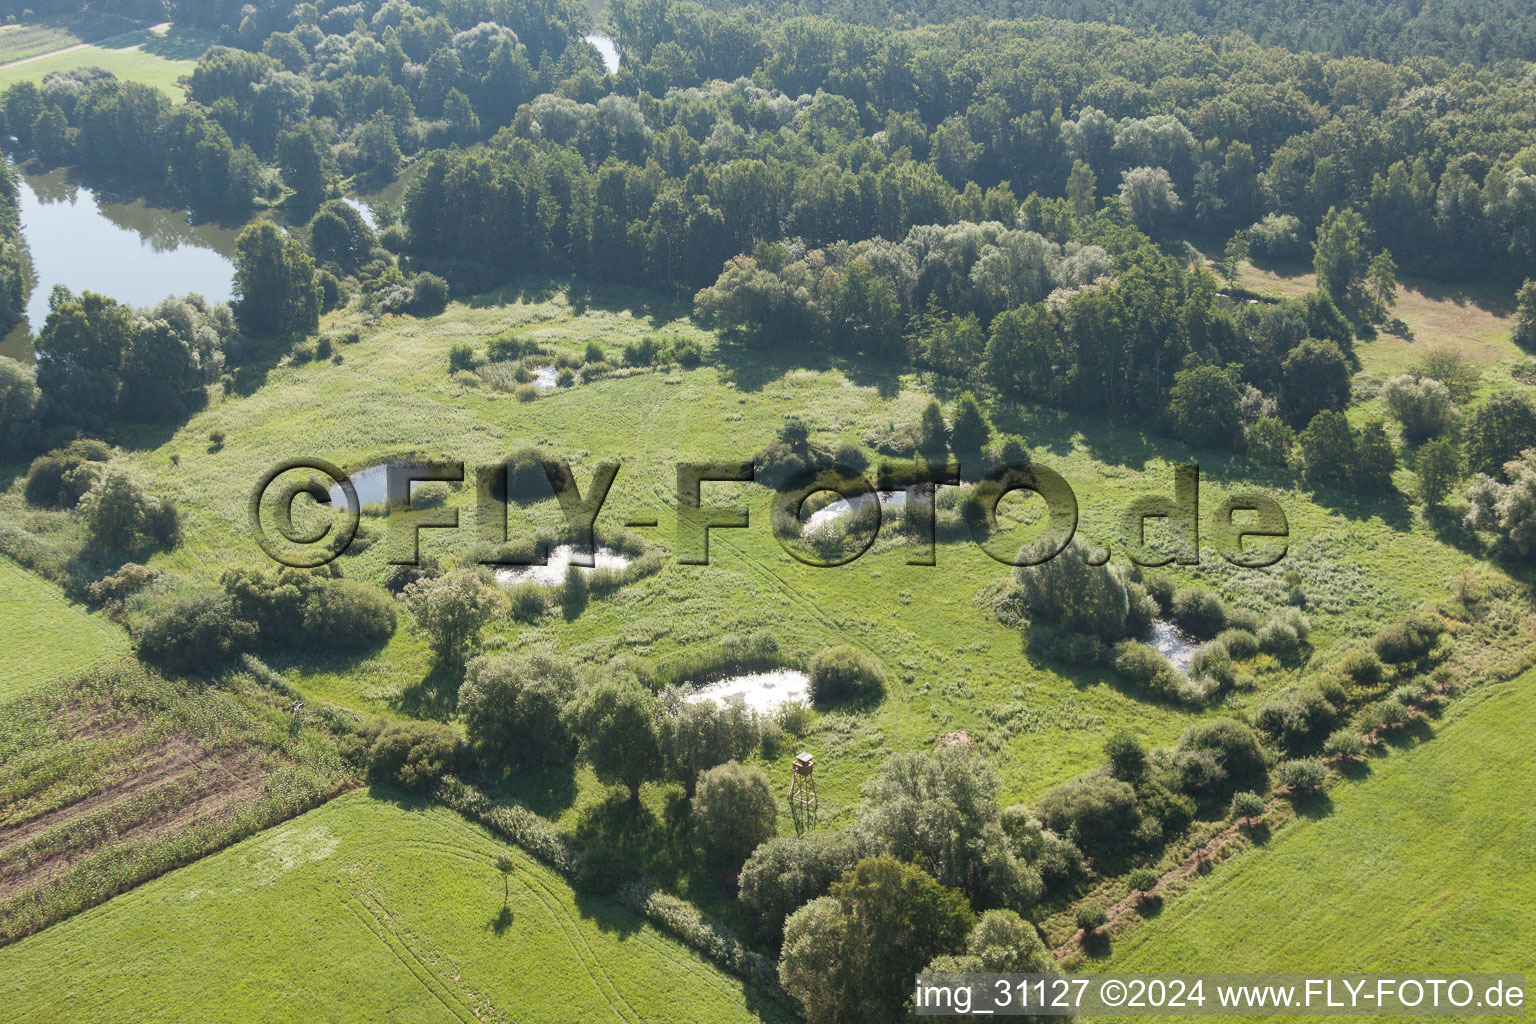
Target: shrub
pixel 450 610
pixel 850 457
pixel 1245 619
pixel 1127 757
pixel 1143 667
pixel 197 635
pixel 687 352
pixel 1077 597
pixel 1285 633
pixel 461 356
pixel 1278 236
pixel 1362 668
pixel 594 353
pixel 1210 670
pixel 413 755
pixel 1142 879
pixel 1302 776
pixel 565 378
pixel 1406 641
pixel 429 294
pixel 734 810
pixel 1247 804
pixel 1234 748
pixel 120 515
pixel 1298 719
pixel 1099 811
pixel 1090 916
pixel 1199 611
pixel 787 872
pixel 1160 589
pixel 845 673
pixel 59 478
pixel 1345 743
pixel 1239 643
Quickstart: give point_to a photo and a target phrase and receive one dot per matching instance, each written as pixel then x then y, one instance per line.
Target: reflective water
pixel 129 251
pixel 545 376
pixel 890 501
pixel 760 691
pixel 371 484
pixel 608 48
pixel 553 574
pixel 1172 643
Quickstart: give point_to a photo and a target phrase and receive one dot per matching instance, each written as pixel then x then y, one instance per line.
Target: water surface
pixel 608 48
pixel 560 557
pixel 1172 643
pixel 759 691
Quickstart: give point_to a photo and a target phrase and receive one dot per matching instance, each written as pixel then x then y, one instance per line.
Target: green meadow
pixel 365 909
pixel 1426 863
pixel 158 57
pixel 952 665
pixel 46 635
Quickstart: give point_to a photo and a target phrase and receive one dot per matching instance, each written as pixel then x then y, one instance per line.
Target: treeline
pixel 15 265
pixel 1474 31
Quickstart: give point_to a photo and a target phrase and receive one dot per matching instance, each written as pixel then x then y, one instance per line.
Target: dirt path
pixel 81 46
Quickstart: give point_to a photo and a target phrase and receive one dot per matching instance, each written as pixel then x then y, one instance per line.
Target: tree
pixel 1497 432
pixel 932 434
pixel 1507 510
pixel 19 397
pixel 1375 460
pixel 512 709
pixel 79 352
pixel 1438 465
pixel 734 811
pixel 197 635
pixel 787 872
pixel 1068 592
pixel 1524 331
pixel 120 515
pixel 1327 450
pixel 275 283
pixel 1422 405
pixel 1314 377
pixel 413 755
pixel 1234 256
pixel 939 810
pixel 1001 943
pixel 850 957
pixel 1082 194
pixel 970 431
pixel 1270 442
pixel 617 722
pixel 1205 407
pixel 1149 199
pixel 1340 259
pixel 505 865
pixel 1381 282
pixel 1127 757
pixel 451 609
pixel 699 735
pixel 339 235
pixel 307 164
pixel 864 305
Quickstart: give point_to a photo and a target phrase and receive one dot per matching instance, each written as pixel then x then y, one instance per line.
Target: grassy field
pixel 1426 864
pixel 29 39
pixel 953 665
pixel 365 909
pixel 46 636
pixel 156 56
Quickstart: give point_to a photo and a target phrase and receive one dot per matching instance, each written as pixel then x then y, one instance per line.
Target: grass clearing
pixel 46 635
pixel 1427 863
pixel 366 909
pixel 29 39
pixel 157 56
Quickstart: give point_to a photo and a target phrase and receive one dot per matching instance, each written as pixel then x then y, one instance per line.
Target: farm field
pixel 365 909
pixel 21 40
pixel 46 635
pixel 1425 864
pixel 156 56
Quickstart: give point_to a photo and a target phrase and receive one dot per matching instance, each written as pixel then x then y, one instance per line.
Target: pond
pixel 759 691
pixel 553 574
pixel 608 48
pixel 1172 643
pixel 131 251
pixel 371 484
pixel 890 501
pixel 545 377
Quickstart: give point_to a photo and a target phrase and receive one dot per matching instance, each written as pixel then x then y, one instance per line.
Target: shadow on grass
pixel 175 43
pixel 435 696
pixel 1315 805
pixel 502 922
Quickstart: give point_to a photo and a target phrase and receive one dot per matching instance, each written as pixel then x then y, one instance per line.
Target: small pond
pixel 759 691
pixel 545 376
pixel 889 501
pixel 130 251
pixel 371 484
pixel 553 574
pixel 1172 643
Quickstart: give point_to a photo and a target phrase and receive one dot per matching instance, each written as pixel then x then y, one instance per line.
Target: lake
pixel 130 251
pixel 608 48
